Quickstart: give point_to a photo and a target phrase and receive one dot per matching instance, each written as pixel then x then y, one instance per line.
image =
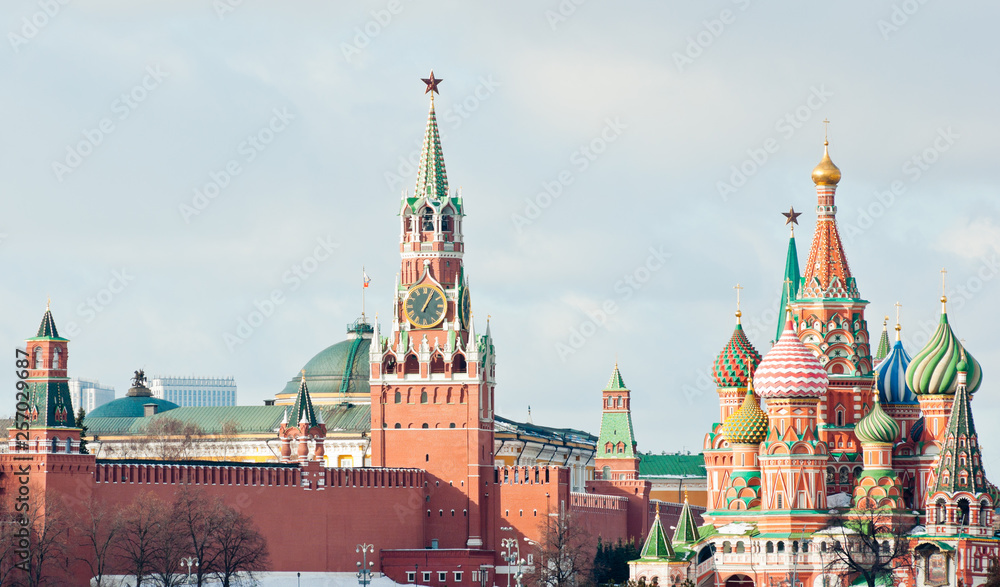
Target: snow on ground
pixel 273 580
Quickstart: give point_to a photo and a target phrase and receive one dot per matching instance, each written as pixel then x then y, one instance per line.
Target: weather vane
pixel 826 128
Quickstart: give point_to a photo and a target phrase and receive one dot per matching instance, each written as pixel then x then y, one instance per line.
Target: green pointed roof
pixel 432 179
pixel 877 427
pixel 616 383
pixel 47 329
pixel 657 546
pixel 883 344
pixel 302 409
pixel 960 463
pixel 792 275
pixel 687 530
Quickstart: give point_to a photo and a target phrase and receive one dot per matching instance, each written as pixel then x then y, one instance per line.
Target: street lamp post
pixel 189 561
pixel 365 565
pixel 513 554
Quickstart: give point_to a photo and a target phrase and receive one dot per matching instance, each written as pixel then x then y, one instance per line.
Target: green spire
pixel 47 329
pixel 302 409
pixel 657 546
pixel 432 179
pixel 616 383
pixel 883 343
pixel 790 283
pixel 687 530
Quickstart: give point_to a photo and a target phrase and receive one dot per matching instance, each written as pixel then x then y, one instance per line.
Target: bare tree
pixel 47 558
pixel 869 543
pixel 170 439
pixel 9 527
pixel 98 532
pixel 227 440
pixel 242 549
pixel 140 536
pixel 565 553
pixel 993 574
pixel 198 517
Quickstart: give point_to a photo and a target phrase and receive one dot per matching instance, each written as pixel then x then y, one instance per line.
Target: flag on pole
pixel 366 278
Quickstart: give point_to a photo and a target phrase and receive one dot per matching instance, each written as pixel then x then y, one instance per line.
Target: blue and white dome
pixel 891 371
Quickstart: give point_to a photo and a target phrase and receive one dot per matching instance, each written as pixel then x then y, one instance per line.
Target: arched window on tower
pixel 412 365
pixel 840 417
pixel 399 397
pixel 940 512
pixel 437 363
pixel 984 514
pixel 389 364
pixel 458 364
pixel 38 358
pixel 963 512
pixel 423 397
pixel 427 220
pixel 56 356
pixel 446 223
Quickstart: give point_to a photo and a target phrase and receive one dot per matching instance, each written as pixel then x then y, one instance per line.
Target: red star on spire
pixel 432 83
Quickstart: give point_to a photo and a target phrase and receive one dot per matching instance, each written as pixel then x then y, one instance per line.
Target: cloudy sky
pixel 166 167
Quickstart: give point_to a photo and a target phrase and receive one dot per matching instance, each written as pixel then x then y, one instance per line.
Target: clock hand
pixel 427 301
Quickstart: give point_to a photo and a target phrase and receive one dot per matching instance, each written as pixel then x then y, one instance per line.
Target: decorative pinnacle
pixel 898 327
pixel 944 287
pixel 826 128
pixel 303 375
pixel 48 302
pixel 739 313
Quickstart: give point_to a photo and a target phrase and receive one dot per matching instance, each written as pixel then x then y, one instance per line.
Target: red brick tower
pixel 306 425
pixel 432 379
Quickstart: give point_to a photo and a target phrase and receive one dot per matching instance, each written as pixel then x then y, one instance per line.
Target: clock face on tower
pixel 425 306
pixel 465 307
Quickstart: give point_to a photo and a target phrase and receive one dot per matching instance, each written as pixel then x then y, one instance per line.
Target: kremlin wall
pixel 819 425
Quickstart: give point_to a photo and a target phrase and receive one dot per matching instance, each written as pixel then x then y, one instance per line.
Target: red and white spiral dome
pixel 790 369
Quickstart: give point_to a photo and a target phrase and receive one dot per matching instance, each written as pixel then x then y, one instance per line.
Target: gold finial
pixel 685 496
pixel 826 173
pixel 826 129
pixel 303 375
pixel 48 302
pixel 788 299
pixel 944 287
pixel 898 327
pixel 738 289
pixel 657 509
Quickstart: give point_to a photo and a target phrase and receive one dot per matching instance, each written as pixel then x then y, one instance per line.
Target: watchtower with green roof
pixel 45 401
pixel 616 455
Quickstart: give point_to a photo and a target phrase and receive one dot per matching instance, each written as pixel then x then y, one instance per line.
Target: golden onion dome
pixel 826 173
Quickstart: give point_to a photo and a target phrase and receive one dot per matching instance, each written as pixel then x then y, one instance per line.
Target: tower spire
pixel 790 291
pixel 432 179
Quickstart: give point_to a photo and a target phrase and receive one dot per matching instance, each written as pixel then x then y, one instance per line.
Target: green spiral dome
pixel 877 426
pixel 748 424
pixel 935 368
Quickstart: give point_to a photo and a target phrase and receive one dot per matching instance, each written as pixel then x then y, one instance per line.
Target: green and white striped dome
pixel 877 426
pixel 935 368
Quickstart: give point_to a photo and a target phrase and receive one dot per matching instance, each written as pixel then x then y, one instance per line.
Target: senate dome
pixel 337 373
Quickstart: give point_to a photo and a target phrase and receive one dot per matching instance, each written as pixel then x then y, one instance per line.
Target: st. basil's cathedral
pixel 817 427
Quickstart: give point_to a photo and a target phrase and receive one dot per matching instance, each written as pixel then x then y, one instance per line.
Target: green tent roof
pixel 657 546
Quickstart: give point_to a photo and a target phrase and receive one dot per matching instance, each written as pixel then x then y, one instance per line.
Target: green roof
pixel 616 427
pixel 302 409
pixel 341 368
pixel 248 419
pixel 672 465
pixel 47 329
pixel 432 179
pixel 792 275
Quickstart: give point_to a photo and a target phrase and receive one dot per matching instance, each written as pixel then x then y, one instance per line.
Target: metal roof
pixel 672 465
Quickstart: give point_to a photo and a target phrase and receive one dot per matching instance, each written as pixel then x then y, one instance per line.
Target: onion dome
pixel 748 424
pixel 790 369
pixel 935 368
pixel 917 429
pixel 736 361
pixel 826 173
pixel 877 426
pixel 891 374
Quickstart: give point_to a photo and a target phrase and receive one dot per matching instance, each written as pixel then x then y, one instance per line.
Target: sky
pixel 169 169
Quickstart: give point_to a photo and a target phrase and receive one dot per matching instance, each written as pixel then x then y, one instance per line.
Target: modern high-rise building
pixel 89 393
pixel 195 391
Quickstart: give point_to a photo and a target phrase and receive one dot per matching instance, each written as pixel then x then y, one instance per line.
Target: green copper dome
pixel 130 407
pixel 339 369
pixel 877 426
pixel 748 424
pixel 935 368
